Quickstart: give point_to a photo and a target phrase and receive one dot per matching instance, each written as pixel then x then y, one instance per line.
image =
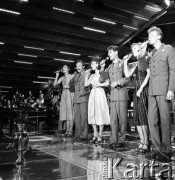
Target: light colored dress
pixel 98 110
pixel 66 104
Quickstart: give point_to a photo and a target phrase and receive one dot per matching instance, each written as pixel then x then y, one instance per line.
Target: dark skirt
pixel 140 105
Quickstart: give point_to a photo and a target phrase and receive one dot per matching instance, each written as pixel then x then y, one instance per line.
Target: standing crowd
pixel 84 101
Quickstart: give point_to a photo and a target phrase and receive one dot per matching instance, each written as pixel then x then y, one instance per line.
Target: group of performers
pixel 154 74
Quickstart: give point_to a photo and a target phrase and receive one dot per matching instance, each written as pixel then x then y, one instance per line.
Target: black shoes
pixel 162 156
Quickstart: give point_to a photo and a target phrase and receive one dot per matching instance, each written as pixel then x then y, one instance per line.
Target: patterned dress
pixel 140 105
pixel 98 110
pixel 66 104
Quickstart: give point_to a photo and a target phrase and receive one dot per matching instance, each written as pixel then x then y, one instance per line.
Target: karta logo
pixel 118 168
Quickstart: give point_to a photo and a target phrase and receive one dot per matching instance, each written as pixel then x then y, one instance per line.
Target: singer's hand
pixel 144 44
pixel 102 63
pixel 57 73
pixel 87 73
pixel 114 84
pixel 126 58
pixel 170 95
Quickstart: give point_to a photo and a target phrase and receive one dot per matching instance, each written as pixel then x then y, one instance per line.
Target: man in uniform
pixel 161 92
pixel 118 99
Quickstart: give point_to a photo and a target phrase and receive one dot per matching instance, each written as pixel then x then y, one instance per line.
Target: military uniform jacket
pixel 120 92
pixel 81 94
pixel 162 67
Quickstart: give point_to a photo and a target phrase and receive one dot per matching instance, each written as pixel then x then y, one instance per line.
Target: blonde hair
pixel 136 44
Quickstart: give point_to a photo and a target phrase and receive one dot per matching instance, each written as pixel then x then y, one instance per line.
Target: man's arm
pixel 171 63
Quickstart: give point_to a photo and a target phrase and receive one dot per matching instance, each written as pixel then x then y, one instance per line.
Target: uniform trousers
pixel 118 114
pixel 159 122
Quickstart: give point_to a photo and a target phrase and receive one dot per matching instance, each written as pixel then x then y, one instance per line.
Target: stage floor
pixel 52 158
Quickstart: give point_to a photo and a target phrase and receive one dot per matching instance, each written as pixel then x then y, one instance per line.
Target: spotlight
pixel 169 2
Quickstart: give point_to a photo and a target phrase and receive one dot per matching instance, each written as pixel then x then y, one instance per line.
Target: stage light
pixel 9 11
pixel 27 55
pixel 167 2
pixel 66 60
pixel 130 28
pixel 104 21
pixel 95 30
pixel 23 62
pixel 43 77
pixel 141 18
pixel 69 53
pixel 39 82
pixel 6 87
pixel 153 9
pixel 4 91
pixel 35 48
pixel 63 10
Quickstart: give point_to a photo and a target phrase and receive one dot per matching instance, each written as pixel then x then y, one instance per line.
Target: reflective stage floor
pixel 52 158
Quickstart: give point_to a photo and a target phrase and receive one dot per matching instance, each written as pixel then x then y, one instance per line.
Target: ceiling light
pixel 23 0
pixel 169 2
pixel 4 91
pixel 40 82
pixel 69 53
pixel 103 20
pixel 66 60
pixel 23 62
pixel 97 57
pixel 95 30
pixel 1 43
pixel 9 11
pixel 129 27
pixel 63 10
pixel 28 55
pixel 43 77
pixel 153 9
pixel 141 18
pixel 36 48
pixel 7 87
pixel 80 0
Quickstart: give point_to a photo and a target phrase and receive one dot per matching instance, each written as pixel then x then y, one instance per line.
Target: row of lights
pixel 6 87
pixel 35 48
pixel 95 19
pixel 23 62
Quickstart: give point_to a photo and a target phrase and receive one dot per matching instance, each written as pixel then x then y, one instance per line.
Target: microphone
pixel 144 44
pixel 128 56
pixel 104 60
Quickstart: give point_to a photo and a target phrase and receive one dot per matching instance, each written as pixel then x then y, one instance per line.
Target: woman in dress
pixel 140 102
pixel 98 110
pixel 66 104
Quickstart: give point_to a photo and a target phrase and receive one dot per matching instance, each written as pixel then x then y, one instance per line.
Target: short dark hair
pixel 97 61
pixel 157 29
pixel 113 47
pixel 80 61
pixel 67 66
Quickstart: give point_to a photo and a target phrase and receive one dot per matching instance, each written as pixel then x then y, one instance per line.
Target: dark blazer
pixel 81 94
pixel 162 67
pixel 119 93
